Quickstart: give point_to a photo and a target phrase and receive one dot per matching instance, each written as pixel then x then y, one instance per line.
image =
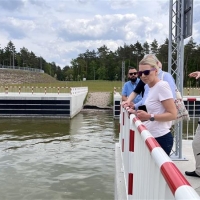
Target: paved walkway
pixel 188 164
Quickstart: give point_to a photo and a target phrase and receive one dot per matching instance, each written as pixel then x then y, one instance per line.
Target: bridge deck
pixel 188 164
pixel 185 164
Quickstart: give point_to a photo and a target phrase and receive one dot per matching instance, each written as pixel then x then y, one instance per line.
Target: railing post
pixel 131 160
pixel 6 90
pixel 58 90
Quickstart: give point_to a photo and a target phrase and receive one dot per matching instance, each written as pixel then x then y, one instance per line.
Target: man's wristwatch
pixel 152 118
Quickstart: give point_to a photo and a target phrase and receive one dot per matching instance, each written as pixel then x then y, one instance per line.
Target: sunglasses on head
pixel 145 72
pixel 135 73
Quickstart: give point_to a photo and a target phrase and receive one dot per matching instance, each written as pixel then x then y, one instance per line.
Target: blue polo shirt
pixel 128 89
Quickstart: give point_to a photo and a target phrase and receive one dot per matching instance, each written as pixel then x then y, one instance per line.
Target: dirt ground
pixel 99 99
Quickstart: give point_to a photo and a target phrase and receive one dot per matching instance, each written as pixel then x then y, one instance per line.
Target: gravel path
pixel 99 99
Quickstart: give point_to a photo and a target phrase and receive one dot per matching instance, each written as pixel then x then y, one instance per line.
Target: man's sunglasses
pixel 145 72
pixel 135 73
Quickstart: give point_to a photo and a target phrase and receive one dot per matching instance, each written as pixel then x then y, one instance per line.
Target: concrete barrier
pixel 32 104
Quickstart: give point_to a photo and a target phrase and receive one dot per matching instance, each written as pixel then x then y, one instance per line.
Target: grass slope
pixel 9 77
pixel 34 79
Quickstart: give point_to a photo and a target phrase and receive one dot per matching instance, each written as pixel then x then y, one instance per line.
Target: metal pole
pixel 176 61
pixel 40 63
pixel 170 37
pixel 181 73
pixel 123 73
pixel 13 59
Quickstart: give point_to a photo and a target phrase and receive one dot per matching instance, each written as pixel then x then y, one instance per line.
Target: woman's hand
pixel 131 111
pixel 142 115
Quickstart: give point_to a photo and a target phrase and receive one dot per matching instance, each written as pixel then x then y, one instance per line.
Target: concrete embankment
pixel 98 100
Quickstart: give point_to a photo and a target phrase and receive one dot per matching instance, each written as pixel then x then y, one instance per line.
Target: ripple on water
pixel 58 159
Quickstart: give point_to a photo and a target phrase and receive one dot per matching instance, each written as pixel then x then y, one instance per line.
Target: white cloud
pixel 60 30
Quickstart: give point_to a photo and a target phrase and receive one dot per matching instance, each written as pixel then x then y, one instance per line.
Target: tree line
pixel 104 64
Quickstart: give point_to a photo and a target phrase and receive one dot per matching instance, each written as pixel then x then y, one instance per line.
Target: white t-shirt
pixel 159 92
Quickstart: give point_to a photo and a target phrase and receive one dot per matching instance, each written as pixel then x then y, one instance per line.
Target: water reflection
pixel 58 158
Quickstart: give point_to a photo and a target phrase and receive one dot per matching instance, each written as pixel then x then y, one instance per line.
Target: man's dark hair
pixel 130 67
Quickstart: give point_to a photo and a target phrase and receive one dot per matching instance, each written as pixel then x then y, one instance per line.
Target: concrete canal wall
pixel 41 104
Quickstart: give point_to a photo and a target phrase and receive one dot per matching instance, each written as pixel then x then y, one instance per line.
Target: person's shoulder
pixel 163 83
pixel 127 83
pixel 167 74
pixel 168 77
pixel 138 80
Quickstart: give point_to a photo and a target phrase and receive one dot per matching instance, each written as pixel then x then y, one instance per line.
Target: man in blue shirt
pixel 131 85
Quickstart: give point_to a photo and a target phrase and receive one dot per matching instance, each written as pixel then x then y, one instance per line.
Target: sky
pixel 60 30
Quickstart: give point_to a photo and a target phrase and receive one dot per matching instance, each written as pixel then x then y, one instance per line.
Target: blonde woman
pixel 165 76
pixel 159 103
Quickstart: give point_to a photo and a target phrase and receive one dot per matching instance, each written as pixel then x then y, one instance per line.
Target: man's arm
pixel 131 97
pixel 124 98
pixel 139 88
pixel 142 101
pixel 129 101
pixel 124 92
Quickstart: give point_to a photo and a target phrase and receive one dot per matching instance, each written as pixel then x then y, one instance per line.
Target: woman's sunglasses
pixel 145 72
pixel 135 73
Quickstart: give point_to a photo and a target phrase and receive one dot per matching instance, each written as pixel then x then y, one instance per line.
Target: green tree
pixel 146 48
pixel 163 54
pixel 138 52
pixel 189 59
pixel 10 53
pixel 154 47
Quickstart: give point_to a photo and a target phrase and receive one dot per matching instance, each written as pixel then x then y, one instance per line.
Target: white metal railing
pixel 22 68
pixel 148 172
pixel 192 105
pixel 78 90
pixel 192 91
pixel 33 90
pixel 186 91
pixel 44 90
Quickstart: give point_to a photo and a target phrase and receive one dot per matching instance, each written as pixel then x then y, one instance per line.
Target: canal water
pixel 58 159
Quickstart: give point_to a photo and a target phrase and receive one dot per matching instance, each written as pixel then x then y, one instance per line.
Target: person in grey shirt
pixel 196 140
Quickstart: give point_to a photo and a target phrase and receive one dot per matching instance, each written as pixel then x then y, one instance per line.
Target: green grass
pixel 93 86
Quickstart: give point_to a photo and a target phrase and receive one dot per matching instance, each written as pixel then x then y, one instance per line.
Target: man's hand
pixel 127 104
pixel 195 74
